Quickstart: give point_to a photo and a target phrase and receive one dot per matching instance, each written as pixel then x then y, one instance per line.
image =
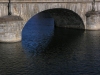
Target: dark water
pixel 46 50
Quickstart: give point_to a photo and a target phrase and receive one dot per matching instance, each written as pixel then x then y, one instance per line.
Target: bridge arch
pixel 63 18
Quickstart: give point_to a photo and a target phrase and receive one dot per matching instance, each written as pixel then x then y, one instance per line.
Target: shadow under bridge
pixel 65 18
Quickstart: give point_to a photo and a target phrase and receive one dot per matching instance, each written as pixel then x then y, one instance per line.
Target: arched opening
pixel 62 18
pixel 40 29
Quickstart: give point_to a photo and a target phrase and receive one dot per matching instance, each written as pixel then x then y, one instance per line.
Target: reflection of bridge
pixel 28 8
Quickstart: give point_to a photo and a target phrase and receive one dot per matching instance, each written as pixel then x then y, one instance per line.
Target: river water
pixel 45 50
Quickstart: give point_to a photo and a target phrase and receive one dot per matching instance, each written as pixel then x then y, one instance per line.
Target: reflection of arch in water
pixel 35 45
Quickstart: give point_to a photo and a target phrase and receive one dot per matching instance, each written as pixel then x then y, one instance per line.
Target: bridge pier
pixel 93 20
pixel 10 28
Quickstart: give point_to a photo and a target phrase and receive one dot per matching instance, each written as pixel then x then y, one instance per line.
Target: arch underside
pixel 64 18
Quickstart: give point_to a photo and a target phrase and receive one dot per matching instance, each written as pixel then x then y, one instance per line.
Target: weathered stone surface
pixel 46 0
pixel 10 28
pixel 93 20
pixel 10 18
pixel 11 31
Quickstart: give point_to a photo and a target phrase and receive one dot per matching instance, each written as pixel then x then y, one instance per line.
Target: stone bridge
pixel 28 8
